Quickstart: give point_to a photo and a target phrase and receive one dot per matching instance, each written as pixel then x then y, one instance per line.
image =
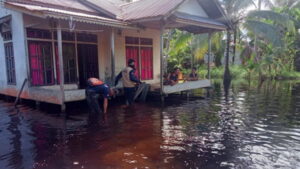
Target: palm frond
pixel 278 18
pixel 268 3
pixel 200 52
pixel 296 5
pixel 240 5
pixel 182 41
pixel 266 31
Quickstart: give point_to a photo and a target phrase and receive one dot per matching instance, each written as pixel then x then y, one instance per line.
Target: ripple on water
pixel 251 127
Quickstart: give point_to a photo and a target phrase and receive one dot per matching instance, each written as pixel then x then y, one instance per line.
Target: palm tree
pixel 195 44
pixel 286 3
pixel 281 25
pixel 236 11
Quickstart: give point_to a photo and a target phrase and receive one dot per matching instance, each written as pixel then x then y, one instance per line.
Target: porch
pixel 52 94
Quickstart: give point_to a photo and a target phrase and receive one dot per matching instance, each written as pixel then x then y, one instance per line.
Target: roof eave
pixel 95 7
pixel 201 24
pixel 24 10
pixel 227 20
pixel 55 15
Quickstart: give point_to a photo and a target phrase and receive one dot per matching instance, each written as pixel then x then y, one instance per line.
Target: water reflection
pixel 244 125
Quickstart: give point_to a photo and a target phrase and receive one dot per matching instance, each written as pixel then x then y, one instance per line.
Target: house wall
pixel 192 7
pixel 102 32
pixel 19 53
pixel 120 50
pixel 22 21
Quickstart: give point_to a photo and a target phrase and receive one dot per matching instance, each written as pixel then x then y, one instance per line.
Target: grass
pixel 240 72
pixel 218 72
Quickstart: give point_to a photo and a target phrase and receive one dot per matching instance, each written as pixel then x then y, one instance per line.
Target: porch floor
pixel 53 95
pixel 183 86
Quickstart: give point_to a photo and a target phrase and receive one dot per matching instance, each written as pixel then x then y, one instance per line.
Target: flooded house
pixel 51 47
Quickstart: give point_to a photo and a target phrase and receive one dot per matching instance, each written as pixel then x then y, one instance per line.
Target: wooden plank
pixel 186 86
pixel 20 92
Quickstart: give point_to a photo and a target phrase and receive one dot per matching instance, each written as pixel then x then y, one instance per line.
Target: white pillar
pixel 209 55
pixel 61 67
pixel 161 61
pixel 112 48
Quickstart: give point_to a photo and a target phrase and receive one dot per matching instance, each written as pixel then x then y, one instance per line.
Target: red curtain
pixel 133 53
pixel 147 63
pixel 36 65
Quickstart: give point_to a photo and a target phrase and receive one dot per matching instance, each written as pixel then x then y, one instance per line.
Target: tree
pixel 236 11
pixel 280 51
pixel 192 47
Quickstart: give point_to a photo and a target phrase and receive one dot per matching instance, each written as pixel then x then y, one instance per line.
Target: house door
pixel 88 63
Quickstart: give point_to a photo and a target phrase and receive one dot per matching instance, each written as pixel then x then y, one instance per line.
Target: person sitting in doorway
pixel 193 76
pixel 172 78
pixel 95 89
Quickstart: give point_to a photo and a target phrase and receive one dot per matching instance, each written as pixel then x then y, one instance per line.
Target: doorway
pixel 88 63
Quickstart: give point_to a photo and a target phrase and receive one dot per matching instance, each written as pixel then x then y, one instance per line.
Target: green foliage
pixel 273 34
pixel 266 40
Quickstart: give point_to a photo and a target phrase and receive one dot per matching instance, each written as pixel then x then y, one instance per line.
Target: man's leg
pixel 126 93
pixel 93 102
pixel 129 94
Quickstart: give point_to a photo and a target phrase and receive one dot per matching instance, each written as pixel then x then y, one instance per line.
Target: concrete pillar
pixel 61 67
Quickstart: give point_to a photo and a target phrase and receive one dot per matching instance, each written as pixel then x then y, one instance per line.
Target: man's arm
pixel 118 78
pixel 133 77
pixel 105 105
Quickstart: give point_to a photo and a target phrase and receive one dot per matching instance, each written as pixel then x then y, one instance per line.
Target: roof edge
pixel 227 20
pixel 97 8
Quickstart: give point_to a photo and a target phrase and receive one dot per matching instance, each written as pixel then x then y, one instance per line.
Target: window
pixel 41 44
pixel 39 34
pixel 41 63
pixel 7 36
pixel 69 59
pixel 84 37
pixel 9 58
pixel 10 63
pixel 141 50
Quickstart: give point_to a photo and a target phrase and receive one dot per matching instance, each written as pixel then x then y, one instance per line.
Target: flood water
pixel 247 126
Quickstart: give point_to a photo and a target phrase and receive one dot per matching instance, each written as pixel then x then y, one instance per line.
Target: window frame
pixel 140 45
pixel 43 62
pixel 93 40
pixel 9 58
pixel 10 63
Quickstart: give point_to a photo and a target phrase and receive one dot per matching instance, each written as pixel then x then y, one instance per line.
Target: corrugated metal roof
pixel 121 12
pixel 64 14
pixel 197 20
pixel 110 6
pixel 148 9
pixel 70 5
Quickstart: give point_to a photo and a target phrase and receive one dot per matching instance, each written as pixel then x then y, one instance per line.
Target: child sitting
pixel 172 78
pixel 193 76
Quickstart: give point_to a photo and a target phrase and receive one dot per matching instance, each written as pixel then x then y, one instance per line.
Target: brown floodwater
pixel 246 126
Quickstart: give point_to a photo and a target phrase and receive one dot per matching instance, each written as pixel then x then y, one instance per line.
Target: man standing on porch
pixel 129 80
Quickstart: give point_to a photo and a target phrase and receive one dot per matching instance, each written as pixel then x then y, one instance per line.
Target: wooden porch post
pixel 112 47
pixel 61 67
pixel 209 55
pixel 161 63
